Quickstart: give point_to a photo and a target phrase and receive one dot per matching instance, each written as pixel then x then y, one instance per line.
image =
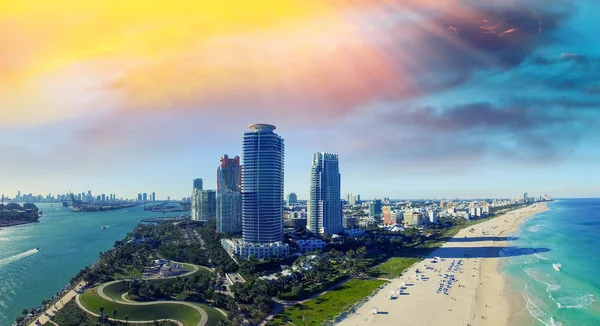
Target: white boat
pixel 557 267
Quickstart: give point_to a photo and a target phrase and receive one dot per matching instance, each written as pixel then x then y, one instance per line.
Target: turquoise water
pixel 68 242
pixel 561 286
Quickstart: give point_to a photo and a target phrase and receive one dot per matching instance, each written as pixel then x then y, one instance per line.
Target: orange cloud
pixel 324 56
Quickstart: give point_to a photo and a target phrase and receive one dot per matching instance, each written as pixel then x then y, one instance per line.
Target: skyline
pixel 420 99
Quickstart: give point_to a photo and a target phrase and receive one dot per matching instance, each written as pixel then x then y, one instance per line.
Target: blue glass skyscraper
pixel 262 185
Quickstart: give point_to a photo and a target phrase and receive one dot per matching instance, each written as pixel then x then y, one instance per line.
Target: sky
pixel 420 98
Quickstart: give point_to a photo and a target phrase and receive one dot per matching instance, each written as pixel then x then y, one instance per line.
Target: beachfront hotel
pixel 262 196
pixel 325 204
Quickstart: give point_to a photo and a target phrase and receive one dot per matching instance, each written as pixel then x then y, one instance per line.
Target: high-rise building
pixel 145 197
pixel 153 196
pixel 197 184
pixel 375 209
pixel 229 174
pixel 204 205
pixel 229 210
pixel 325 204
pixel 262 185
pixel 139 197
pixel 229 195
pixel 386 212
pixel 292 199
pixel 103 196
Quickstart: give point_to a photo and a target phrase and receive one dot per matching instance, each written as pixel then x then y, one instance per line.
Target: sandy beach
pixel 464 287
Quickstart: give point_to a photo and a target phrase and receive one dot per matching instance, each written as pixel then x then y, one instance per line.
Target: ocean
pixel 68 242
pixel 561 286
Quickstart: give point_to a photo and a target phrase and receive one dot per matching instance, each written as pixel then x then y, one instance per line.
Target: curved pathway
pixel 196 268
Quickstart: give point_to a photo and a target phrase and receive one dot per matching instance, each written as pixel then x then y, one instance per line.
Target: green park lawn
pixel 326 307
pixel 187 315
pixel 115 290
pixel 393 267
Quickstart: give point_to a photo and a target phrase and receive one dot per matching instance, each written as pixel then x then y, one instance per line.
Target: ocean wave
pixel 536 275
pixel 532 304
pixel 542 257
pixel 537 309
pixel 534 229
pixel 554 287
pixel 582 301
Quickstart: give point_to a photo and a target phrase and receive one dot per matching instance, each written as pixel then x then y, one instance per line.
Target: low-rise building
pixel 170 270
pixel 412 219
pixel 309 244
pixel 245 250
pixel 350 222
pixel 355 232
pixel 295 223
pixel 433 216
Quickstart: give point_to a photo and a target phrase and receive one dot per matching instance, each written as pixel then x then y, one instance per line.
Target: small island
pixel 15 214
pixel 82 206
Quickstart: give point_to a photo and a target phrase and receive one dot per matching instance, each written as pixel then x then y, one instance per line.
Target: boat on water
pixel 37 248
pixel 105 227
pixel 557 267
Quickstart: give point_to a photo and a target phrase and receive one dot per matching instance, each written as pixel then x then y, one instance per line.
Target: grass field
pixel 187 315
pixel 115 290
pixel 329 305
pixel 393 267
pixel 71 315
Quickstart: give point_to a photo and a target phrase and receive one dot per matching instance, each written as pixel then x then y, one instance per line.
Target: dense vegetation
pixel 210 254
pixel 13 214
pixel 254 298
pixel 127 260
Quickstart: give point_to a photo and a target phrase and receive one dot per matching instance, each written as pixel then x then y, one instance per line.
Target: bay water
pixel 67 243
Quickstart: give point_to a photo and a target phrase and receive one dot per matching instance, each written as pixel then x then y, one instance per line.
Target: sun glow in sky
pixel 432 91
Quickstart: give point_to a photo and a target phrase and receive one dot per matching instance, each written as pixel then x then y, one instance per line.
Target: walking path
pixel 43 319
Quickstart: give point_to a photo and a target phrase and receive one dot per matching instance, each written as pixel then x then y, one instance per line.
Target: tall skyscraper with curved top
pixel 262 185
pixel 325 203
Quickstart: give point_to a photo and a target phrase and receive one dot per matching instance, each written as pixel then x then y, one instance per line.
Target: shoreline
pixel 465 287
pixel 506 301
pixel 18 223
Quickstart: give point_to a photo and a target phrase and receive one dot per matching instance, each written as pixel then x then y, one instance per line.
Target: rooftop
pixel 262 127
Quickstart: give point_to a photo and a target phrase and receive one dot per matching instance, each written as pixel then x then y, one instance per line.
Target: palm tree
pixel 102 315
pixel 115 312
